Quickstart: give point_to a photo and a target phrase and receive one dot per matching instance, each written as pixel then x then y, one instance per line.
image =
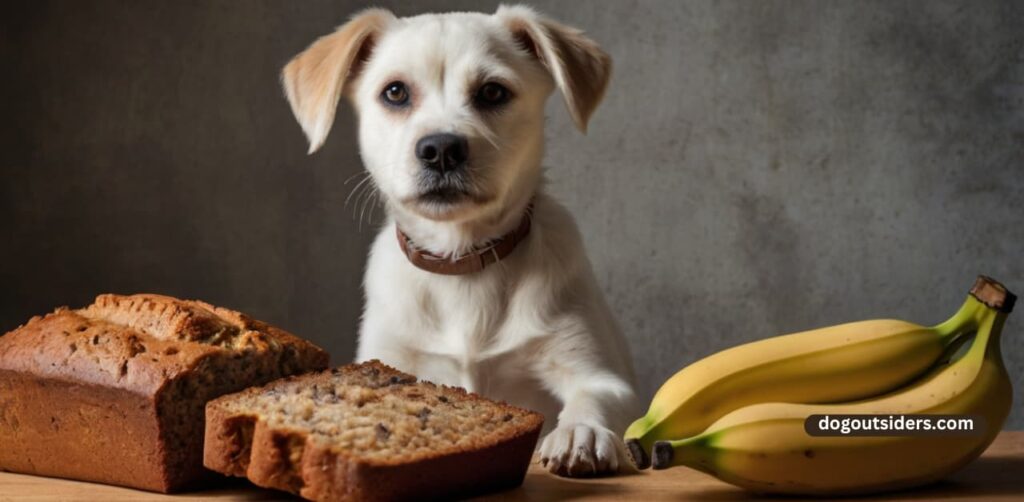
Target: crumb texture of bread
pixel 115 392
pixel 369 432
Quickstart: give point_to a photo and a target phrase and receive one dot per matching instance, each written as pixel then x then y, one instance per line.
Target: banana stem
pixel 964 320
pixel 987 343
pixel 998 303
pixel 639 441
pixel 986 295
pixel 691 452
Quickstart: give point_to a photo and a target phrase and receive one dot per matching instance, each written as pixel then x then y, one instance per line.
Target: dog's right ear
pixel 580 68
pixel 314 80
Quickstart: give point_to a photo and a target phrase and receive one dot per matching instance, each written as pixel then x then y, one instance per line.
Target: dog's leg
pixel 393 356
pixel 377 340
pixel 595 404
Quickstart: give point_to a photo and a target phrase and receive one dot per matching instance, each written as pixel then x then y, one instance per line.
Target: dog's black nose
pixel 442 152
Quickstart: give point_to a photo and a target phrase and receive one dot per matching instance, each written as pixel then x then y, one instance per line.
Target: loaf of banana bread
pixel 115 392
pixel 369 432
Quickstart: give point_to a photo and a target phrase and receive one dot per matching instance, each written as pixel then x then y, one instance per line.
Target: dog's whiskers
pixel 362 195
pixel 371 199
pixel 366 177
pixel 491 138
pixel 378 202
pixel 350 178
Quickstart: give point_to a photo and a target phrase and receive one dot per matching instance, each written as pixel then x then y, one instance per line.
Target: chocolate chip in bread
pixel 369 432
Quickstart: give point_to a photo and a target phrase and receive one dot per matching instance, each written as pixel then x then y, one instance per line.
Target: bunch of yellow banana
pixel 739 414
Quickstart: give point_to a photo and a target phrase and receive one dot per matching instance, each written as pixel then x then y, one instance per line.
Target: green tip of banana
pixel 662 453
pixel 637 454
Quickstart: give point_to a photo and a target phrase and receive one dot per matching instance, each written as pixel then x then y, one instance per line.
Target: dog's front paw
pixel 581 450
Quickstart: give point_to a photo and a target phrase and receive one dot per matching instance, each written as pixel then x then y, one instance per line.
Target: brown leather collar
pixel 473 261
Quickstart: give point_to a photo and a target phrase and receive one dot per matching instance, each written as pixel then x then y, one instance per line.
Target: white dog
pixel 478 278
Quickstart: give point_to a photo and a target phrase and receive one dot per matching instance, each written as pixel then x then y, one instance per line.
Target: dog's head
pixel 451 106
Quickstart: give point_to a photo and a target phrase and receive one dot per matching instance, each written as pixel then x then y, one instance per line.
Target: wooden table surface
pixel 997 475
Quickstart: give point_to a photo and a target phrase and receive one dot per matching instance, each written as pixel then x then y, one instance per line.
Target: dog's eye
pixel 491 95
pixel 395 94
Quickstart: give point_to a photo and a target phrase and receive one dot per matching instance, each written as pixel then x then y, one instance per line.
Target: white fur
pixel 532 329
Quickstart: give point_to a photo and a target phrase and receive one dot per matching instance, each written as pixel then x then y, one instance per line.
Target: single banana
pixel 826 365
pixel 764 447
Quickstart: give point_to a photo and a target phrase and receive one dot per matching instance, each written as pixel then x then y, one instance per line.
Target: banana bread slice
pixel 116 392
pixel 369 432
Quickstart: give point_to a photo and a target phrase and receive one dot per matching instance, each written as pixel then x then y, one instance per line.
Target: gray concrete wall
pixel 757 168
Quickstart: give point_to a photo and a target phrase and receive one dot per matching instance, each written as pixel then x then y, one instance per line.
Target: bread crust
pixel 242 444
pixel 91 394
pixel 58 438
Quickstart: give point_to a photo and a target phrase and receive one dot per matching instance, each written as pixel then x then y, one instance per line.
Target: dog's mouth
pixel 440 189
pixel 443 195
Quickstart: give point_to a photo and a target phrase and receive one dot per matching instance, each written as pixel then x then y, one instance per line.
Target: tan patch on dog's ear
pixel 580 68
pixel 314 80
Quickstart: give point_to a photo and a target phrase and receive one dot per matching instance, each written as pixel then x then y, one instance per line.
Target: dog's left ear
pixel 314 80
pixel 580 68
